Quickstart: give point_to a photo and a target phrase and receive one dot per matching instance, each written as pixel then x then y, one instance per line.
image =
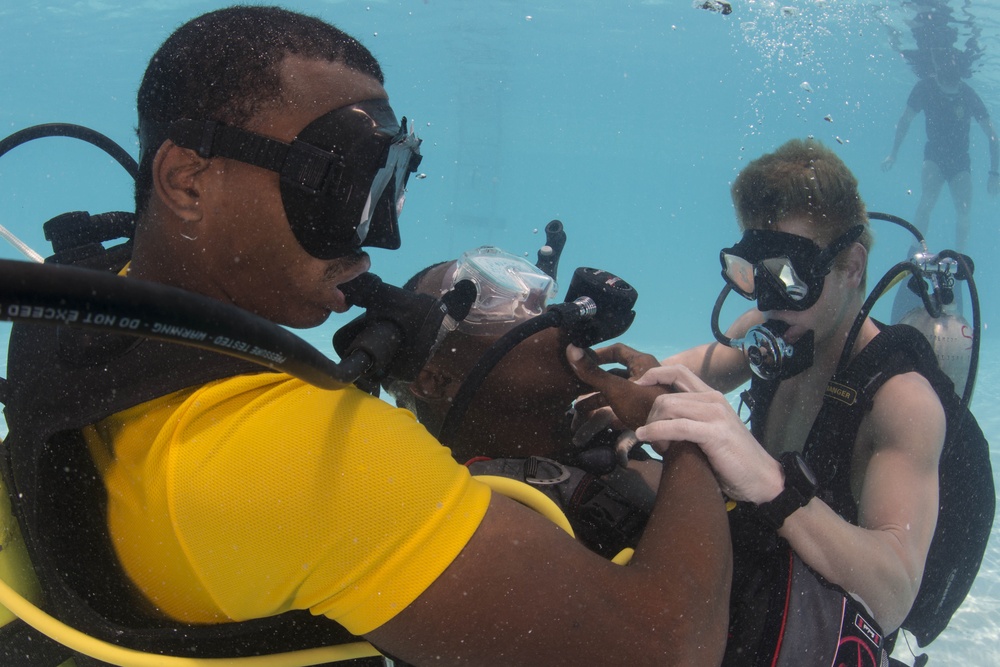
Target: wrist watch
pixel 800 487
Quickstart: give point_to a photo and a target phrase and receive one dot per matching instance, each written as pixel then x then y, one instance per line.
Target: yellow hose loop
pixel 895 281
pixel 624 556
pixel 529 496
pixel 125 657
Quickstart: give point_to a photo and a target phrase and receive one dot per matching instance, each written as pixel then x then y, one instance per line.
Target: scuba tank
pixel 938 316
pixel 950 335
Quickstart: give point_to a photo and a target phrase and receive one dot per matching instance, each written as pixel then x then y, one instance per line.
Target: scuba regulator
pixel 401 329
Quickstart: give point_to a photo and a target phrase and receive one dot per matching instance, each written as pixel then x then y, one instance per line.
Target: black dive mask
pixel 343 178
pixel 781 271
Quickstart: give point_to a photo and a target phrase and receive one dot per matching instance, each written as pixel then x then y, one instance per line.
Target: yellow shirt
pixel 253 495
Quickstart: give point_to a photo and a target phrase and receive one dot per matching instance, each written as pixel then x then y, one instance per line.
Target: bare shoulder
pixel 907 414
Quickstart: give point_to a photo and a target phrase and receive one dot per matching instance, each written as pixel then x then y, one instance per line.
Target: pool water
pixel 627 121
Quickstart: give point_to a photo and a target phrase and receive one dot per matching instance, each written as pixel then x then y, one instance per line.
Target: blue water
pixel 625 120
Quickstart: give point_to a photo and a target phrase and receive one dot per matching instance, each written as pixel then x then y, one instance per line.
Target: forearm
pixel 902 127
pixel 687 538
pixel 898 140
pixel 868 563
pixel 722 368
pixel 558 603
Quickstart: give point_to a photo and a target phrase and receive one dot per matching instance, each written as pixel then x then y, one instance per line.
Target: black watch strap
pixel 800 487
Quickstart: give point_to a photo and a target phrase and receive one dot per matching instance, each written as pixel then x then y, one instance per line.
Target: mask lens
pixel 359 202
pixel 738 272
pixel 388 189
pixel 510 288
pixel 781 269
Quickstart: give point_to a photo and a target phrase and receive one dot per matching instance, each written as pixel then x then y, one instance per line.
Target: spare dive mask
pixel 781 271
pixel 343 178
pixel 510 289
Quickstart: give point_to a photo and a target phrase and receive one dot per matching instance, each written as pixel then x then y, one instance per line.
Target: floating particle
pixel 789 11
pixel 720 6
pixel 909 192
pixel 535 230
pixel 421 175
pixel 839 140
pixel 828 118
pixel 528 17
pixel 806 87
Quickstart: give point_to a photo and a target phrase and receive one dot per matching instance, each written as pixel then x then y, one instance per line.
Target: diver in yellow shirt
pixel 269 158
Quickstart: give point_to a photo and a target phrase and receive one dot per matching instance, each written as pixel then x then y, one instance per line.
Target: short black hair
pixel 414 281
pixel 223 66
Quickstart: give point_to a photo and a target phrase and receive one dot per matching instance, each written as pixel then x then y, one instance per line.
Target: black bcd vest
pixel 967 495
pixel 59 380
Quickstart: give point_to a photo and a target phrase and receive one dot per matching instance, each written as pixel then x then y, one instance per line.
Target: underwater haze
pixel 627 121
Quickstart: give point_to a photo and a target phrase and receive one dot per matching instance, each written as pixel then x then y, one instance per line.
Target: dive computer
pixel 800 487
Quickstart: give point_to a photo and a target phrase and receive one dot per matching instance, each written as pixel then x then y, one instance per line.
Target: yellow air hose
pixel 20 602
pixel 125 657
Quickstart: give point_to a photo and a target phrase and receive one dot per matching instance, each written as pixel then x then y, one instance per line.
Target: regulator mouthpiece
pixel 770 356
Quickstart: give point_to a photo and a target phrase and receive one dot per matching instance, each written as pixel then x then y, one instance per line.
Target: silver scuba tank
pixel 950 335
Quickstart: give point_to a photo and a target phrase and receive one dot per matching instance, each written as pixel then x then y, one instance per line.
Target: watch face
pixel 806 470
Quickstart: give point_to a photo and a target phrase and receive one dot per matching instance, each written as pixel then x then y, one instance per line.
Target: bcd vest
pixel 59 380
pixel 966 499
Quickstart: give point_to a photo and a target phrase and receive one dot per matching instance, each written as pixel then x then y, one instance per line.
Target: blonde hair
pixel 802 178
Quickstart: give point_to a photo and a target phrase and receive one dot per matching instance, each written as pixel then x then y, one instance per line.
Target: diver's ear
pixel 176 173
pixel 855 264
pixel 431 384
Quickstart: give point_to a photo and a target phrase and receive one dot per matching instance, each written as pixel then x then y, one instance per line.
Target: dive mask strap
pixel 299 163
pixel 824 261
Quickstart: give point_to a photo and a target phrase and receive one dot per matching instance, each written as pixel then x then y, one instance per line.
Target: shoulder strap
pixel 21 644
pixel 848 397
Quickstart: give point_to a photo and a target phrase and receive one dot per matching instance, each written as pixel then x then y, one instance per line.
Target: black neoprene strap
pixel 21 644
pixel 210 139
